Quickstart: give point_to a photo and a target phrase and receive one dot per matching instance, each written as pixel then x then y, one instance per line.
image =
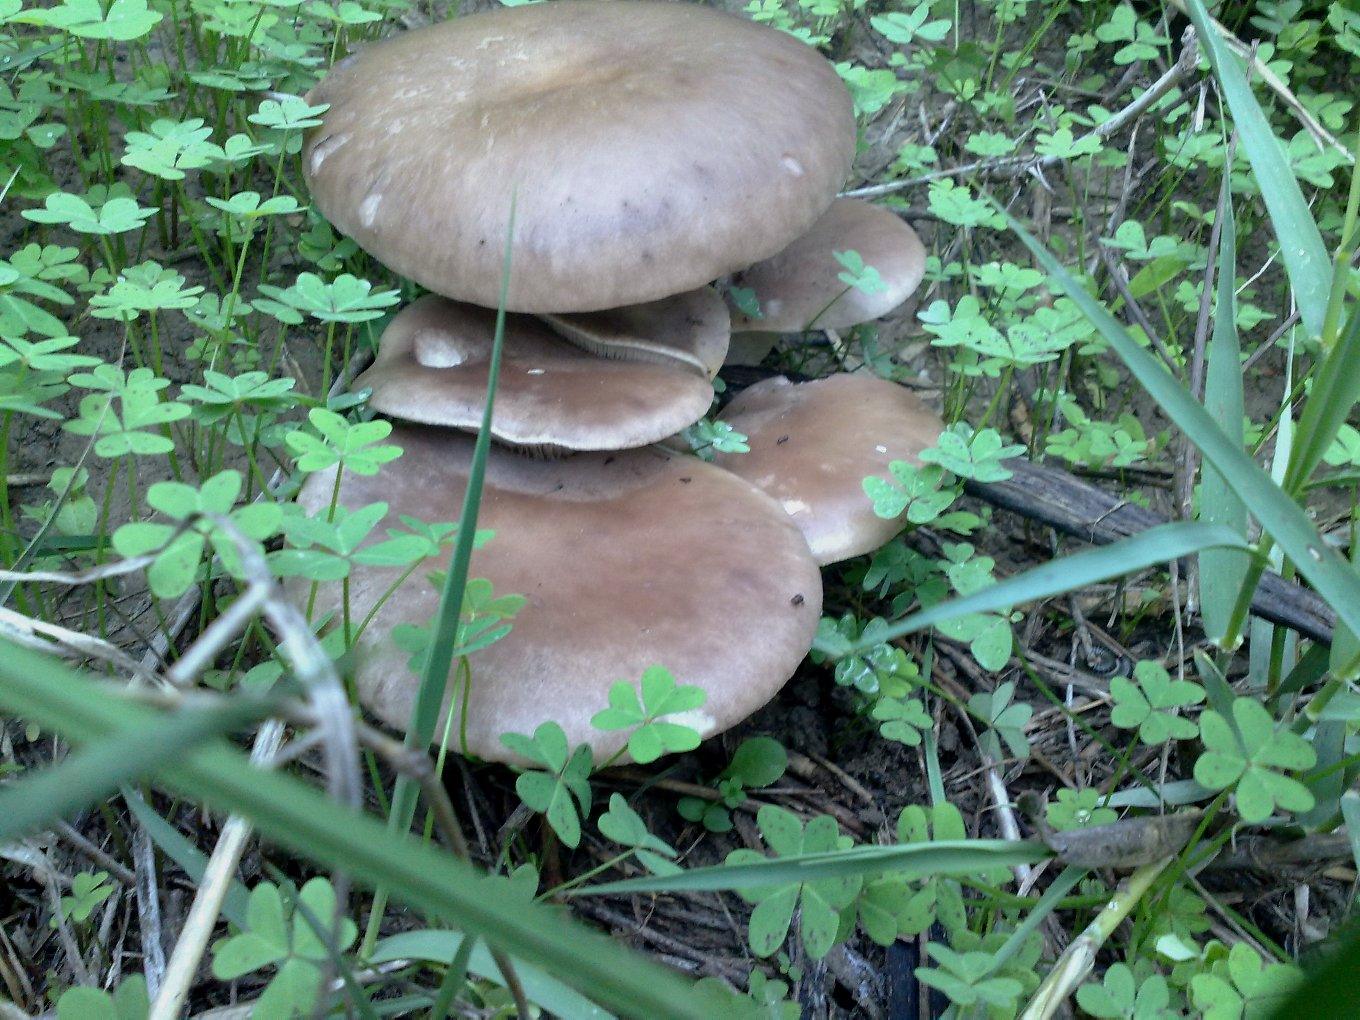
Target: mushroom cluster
pixel 654 149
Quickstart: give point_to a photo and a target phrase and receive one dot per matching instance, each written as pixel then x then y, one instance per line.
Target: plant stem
pixel 1079 958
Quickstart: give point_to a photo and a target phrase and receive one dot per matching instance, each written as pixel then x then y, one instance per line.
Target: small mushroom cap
pixel 652 146
pixel 626 561
pixel 800 288
pixel 692 328
pixel 432 366
pixel 813 444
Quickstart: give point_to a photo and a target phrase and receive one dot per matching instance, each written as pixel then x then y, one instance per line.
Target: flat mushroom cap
pixel 653 147
pixel 626 561
pixel 800 282
pixel 692 328
pixel 812 445
pixel 432 366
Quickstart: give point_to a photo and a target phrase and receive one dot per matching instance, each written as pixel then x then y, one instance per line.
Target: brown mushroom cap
pixel 800 288
pixel 812 445
pixel 692 328
pixel 432 366
pixel 626 561
pixel 652 146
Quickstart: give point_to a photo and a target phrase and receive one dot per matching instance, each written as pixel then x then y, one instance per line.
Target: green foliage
pixel 179 548
pixel 289 935
pixel 1251 756
pixel 355 447
pixel 652 719
pixel 891 906
pixel 819 902
pixel 128 1002
pixel 562 792
pixel 1121 996
pixel 88 891
pixel 1005 720
pixel 1078 809
pixel 1238 984
pixel 757 762
pixel 708 437
pixel 624 826
pixel 1150 702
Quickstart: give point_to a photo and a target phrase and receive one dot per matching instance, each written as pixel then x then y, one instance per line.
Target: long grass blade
pixel 1301 248
pixel 908 860
pixel 302 819
pixel 1336 388
pixel 441 946
pixel 1279 515
pixel 1161 544
pixel 434 676
pixel 1222 572
pixel 192 861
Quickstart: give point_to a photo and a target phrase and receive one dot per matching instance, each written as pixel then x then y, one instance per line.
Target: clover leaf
pixel 966 978
pixel 1120 996
pixel 1005 720
pixel 178 557
pixel 1078 809
pixel 1150 701
pixel 1241 985
pixel 351 445
pixel 116 215
pixel 558 792
pixel 625 826
pixel 1250 756
pixel 129 1002
pixel 292 939
pixel 821 900
pixel 968 454
pixel 655 731
pixel 144 288
pixel 123 21
pixel 858 276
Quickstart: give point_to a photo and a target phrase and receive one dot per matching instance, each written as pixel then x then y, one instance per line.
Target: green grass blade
pixel 434 677
pixel 1279 515
pixel 1336 388
pixel 1065 882
pixel 441 946
pixel 1301 248
pixel 190 859
pixel 1222 572
pixel 97 770
pixel 907 860
pixel 1161 544
pixel 296 816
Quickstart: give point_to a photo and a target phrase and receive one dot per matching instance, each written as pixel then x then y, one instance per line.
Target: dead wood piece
pixel 1059 499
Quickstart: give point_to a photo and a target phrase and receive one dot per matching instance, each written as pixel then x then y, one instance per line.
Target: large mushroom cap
pixel 653 147
pixel 692 328
pixel 812 445
pixel 800 287
pixel 432 366
pixel 626 561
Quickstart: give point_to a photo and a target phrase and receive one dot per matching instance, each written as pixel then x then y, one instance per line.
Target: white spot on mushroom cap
pixel 795 506
pixel 792 165
pixel 535 371
pixel 433 350
pixel 323 149
pixel 368 209
pixel 699 721
pixel 881 448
